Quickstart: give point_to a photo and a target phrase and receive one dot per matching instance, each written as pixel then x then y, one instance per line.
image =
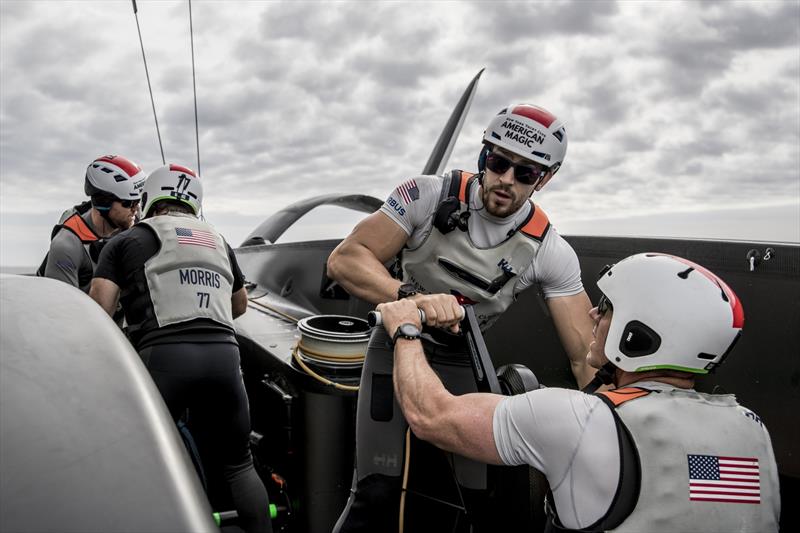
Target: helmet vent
pixel 707 356
pixel 559 135
pixel 119 177
pixel 685 273
pixel 639 340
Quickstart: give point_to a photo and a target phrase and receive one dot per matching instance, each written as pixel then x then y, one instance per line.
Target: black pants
pixel 206 379
pixel 374 503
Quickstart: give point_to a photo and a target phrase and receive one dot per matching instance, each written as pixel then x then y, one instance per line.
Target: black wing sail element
pixel 447 139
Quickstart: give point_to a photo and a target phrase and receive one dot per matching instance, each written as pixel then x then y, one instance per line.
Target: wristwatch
pixel 406 331
pixel 405 290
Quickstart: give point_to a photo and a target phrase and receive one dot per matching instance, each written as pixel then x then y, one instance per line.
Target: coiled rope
pixel 334 358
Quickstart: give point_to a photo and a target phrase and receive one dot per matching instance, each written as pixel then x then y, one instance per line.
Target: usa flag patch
pixel 724 479
pixel 196 237
pixel 408 191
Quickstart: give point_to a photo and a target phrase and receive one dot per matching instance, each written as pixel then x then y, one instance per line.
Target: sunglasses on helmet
pixel 527 174
pixel 127 204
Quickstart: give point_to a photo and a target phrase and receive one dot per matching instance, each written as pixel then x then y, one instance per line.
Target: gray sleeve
pixel 65 258
pixel 412 202
pixel 571 438
pixel 557 268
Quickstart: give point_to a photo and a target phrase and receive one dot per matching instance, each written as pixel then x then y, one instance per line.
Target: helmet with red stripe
pixel 531 132
pixel 669 313
pixel 114 176
pixel 174 183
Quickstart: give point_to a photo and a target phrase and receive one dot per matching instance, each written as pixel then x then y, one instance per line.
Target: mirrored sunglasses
pixel 527 174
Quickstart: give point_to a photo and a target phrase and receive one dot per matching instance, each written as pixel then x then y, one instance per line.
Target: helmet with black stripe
pixel 529 131
pixel 173 183
pixel 113 177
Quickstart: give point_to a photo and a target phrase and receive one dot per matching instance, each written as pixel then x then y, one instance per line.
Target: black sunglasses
pixel 603 305
pixel 127 204
pixel 527 174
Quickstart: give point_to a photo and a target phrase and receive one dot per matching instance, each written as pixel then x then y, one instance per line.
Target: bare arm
pixel 574 327
pixel 357 263
pixel 239 302
pixel 106 293
pixel 460 424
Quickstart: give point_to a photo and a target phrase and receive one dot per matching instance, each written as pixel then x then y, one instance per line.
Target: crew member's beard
pixel 512 206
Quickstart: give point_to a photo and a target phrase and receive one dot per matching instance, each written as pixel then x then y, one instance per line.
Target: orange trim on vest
pixel 625 394
pixel 79 227
pixel 462 191
pixel 537 225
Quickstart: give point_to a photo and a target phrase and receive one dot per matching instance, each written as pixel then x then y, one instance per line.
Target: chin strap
pixel 604 376
pixel 104 212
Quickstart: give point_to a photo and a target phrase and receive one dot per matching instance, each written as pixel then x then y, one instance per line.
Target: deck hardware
pixel 753 258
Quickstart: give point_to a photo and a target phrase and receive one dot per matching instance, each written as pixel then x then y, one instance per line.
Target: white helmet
pixel 531 132
pixel 669 313
pixel 175 183
pixel 115 176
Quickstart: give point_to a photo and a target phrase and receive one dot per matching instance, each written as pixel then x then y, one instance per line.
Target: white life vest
pixel 685 441
pixel 190 277
pixel 447 261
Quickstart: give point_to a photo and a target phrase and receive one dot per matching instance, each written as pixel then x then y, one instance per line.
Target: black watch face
pixel 406 290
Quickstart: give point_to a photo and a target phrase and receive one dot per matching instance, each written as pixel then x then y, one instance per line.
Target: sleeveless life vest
pixel 190 277
pixel 72 221
pixel 447 261
pixel 705 464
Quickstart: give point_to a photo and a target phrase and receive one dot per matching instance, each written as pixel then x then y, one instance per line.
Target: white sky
pixel 683 118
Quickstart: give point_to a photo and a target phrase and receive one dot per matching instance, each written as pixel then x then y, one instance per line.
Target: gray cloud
pixel 668 105
pixel 515 20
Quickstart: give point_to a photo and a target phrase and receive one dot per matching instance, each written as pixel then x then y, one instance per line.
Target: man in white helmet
pixel 651 454
pixel 180 288
pixel 114 185
pixel 464 238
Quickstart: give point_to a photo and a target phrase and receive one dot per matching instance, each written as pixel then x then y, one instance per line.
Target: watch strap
pixel 398 334
pixel 405 290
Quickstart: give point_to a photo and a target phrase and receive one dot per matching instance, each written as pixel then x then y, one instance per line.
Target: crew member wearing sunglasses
pixel 114 184
pixel 465 238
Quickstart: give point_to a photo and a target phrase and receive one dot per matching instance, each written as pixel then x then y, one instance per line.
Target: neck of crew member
pixel 682 380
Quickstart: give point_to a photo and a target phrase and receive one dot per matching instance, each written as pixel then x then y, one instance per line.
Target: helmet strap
pixel 104 211
pixel 604 376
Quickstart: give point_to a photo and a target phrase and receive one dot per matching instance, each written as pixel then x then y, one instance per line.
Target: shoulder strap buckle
pixel 449 214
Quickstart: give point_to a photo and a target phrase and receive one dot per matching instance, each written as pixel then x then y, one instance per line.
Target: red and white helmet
pixel 116 176
pixel 531 132
pixel 173 182
pixel 669 313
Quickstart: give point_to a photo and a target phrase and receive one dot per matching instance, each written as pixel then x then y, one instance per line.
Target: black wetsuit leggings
pixel 206 379
pixel 374 503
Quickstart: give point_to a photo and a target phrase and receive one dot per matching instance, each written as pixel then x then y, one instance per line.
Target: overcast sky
pixel 683 118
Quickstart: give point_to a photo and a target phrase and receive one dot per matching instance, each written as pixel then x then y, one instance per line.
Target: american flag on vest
pixel 408 191
pixel 724 479
pixel 196 237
